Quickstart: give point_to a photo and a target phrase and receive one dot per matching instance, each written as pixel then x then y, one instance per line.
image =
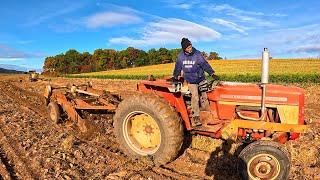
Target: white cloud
pixel 62 10
pixel 11 59
pixel 183 6
pixel 296 36
pixel 108 19
pixel 253 20
pixel 294 41
pixel 168 31
pixel 226 8
pixel 8 52
pixel 310 48
pixel 256 19
pixel 180 4
pixel 223 8
pixel 229 9
pixel 25 41
pixel 230 25
pixel 278 15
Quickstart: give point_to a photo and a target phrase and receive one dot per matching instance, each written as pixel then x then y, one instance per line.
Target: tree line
pixel 73 61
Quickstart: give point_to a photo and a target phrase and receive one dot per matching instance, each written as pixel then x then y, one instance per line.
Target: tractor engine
pixel 283 104
pixel 259 102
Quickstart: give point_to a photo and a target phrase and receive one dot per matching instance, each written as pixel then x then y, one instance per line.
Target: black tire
pixel 54 112
pixel 167 119
pixel 265 160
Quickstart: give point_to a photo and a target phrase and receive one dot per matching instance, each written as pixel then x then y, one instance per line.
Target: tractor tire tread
pixel 266 146
pixel 169 120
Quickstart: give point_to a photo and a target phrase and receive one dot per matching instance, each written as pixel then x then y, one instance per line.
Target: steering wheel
pixel 212 84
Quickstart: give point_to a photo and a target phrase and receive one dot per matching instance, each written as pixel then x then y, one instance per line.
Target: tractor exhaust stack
pixel 263 85
pixel 264 77
pixel 265 66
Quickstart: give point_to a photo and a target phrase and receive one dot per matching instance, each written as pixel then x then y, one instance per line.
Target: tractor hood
pixel 251 93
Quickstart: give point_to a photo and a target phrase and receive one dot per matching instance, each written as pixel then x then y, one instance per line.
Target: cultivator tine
pixel 82 124
pixel 112 97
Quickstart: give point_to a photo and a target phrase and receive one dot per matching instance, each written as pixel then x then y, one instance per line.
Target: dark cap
pixel 185 43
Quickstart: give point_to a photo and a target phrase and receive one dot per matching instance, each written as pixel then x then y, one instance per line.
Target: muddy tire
pixel 264 160
pixel 54 112
pixel 146 125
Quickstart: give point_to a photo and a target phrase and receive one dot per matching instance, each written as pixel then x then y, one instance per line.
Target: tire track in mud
pixel 15 166
pixel 15 92
pixel 6 169
pixel 27 105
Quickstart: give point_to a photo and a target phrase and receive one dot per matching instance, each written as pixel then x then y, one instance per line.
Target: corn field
pixel 281 70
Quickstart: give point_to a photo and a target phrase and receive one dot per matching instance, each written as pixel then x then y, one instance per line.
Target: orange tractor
pixel 263 115
pixel 152 123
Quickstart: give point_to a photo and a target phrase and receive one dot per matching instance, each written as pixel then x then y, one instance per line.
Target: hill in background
pixel 2 70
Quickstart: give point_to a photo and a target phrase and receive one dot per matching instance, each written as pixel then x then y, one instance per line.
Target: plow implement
pixel 78 100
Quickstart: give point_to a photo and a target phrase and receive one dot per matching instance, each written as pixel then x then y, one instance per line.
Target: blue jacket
pixel 193 66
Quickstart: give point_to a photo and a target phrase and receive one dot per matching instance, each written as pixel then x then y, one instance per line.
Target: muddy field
pixel 33 147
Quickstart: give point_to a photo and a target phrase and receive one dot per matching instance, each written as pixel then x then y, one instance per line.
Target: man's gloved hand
pixel 215 77
pixel 173 79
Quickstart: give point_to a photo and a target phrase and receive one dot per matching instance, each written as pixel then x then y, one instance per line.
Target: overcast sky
pixel 31 30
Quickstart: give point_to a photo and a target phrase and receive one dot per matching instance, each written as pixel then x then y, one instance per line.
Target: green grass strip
pixel 279 78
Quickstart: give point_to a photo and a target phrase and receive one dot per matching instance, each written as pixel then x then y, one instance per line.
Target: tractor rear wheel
pixel 146 125
pixel 54 112
pixel 265 160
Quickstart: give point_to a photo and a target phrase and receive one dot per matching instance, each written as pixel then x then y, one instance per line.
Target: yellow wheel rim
pixel 263 166
pixel 142 133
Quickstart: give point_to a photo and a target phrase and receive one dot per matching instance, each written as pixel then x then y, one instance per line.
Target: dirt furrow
pixel 170 173
pixel 6 170
pixel 25 98
pixel 15 165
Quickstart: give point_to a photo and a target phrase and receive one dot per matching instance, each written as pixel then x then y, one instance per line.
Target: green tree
pixel 214 56
pixel 122 59
pixel 72 59
pixel 142 59
pixel 86 58
pixel 164 56
pixel 174 54
pixel 106 59
pixel 153 56
pixel 205 55
pixel 133 54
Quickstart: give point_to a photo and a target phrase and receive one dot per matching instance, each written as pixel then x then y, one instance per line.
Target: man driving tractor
pixel 193 65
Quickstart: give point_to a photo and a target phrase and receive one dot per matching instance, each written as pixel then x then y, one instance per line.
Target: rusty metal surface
pixel 81 98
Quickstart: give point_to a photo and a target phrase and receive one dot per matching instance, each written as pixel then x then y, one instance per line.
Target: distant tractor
pixel 33 76
pixel 263 115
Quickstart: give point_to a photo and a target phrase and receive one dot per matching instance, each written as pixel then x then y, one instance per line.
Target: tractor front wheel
pixel 265 160
pixel 146 125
